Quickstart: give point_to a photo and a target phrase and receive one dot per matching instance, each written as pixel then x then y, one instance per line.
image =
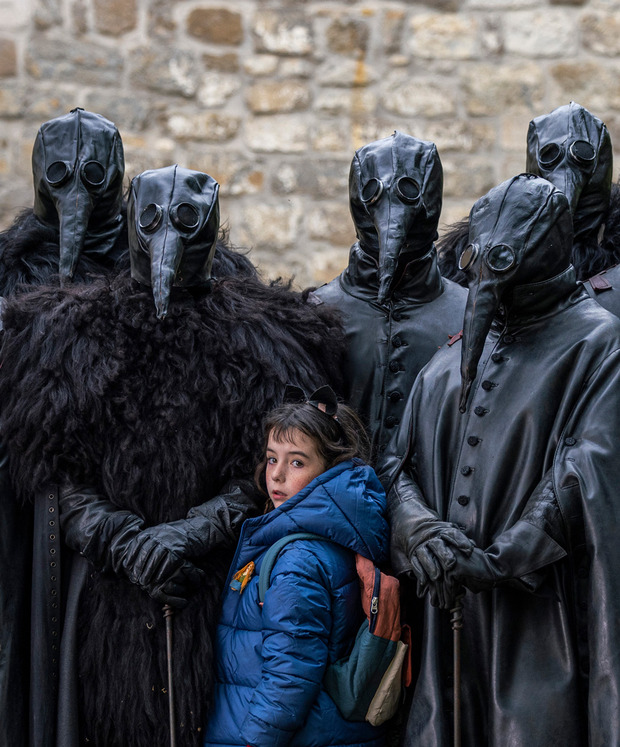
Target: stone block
pixel 392 25
pixel 51 58
pixel 500 4
pixel 270 225
pixel 296 67
pixel 128 112
pixel 592 84
pixel 346 73
pixel 165 71
pixel 332 136
pixel 445 36
pixel 274 96
pixel 8 58
pixel 348 37
pixel 472 177
pixel 204 126
pixel 335 101
pixel 411 97
pixel 600 33
pixel 115 17
pixel 327 263
pixel 492 89
pixel 216 88
pixel 236 173
pixel 215 25
pixel 161 23
pixel 318 178
pixel 331 223
pixel 540 33
pixel 79 17
pixel 458 136
pixel 260 64
pixel 11 100
pixel 283 32
pixel 280 133
pixel 221 63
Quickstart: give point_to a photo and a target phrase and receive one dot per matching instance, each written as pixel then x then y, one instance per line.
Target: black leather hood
pixel 173 217
pixel 78 167
pixel 520 233
pixel 572 149
pixel 395 193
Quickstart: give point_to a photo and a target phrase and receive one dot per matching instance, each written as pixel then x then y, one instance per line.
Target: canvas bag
pixel 367 684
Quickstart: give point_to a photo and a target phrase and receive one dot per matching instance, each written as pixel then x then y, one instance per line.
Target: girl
pixel 270 661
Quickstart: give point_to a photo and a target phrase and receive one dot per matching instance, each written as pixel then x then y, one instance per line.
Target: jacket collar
pixel 537 300
pixel 420 282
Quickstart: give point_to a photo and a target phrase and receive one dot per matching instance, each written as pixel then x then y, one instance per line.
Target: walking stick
pixel 457 623
pixel 168 613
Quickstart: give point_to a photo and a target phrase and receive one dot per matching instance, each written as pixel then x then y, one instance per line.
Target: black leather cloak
pixel 388 344
pixel 157 416
pixel 524 463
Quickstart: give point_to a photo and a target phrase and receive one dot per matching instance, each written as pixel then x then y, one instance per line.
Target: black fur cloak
pixel 157 416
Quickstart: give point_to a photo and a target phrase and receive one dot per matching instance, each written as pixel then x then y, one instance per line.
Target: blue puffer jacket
pixel 270 662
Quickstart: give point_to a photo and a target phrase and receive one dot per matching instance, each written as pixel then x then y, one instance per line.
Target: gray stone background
pixel 273 97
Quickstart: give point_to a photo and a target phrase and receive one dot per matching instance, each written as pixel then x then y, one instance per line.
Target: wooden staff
pixel 168 613
pixel 457 623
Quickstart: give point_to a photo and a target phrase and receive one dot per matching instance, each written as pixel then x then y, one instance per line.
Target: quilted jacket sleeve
pixel 297 621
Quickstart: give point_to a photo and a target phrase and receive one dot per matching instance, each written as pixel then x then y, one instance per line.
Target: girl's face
pixel 291 465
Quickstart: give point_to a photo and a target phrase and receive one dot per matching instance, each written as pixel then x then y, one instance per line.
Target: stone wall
pixel 273 97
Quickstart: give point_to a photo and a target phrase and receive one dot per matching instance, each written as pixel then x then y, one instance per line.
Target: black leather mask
pixel 519 233
pixel 395 192
pixel 78 168
pixel 173 218
pixel 572 149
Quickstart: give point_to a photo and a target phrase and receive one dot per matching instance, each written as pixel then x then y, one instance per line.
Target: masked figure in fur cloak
pixel 571 148
pixel 125 424
pixel 75 231
pixel 507 483
pixel 397 308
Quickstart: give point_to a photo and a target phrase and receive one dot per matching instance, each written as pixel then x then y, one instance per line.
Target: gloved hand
pixel 109 538
pixel 434 557
pixel 478 572
pixel 163 573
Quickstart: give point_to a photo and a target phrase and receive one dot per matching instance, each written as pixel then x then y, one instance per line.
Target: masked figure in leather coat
pixel 571 148
pixel 507 484
pixel 128 407
pixel 397 308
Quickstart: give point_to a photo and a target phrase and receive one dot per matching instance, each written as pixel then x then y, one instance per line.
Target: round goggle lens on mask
pixel 93 173
pixel 408 190
pixel 582 152
pixel 57 173
pixel 549 155
pixel 371 191
pixel 467 257
pixel 185 216
pixel 150 217
pixel 500 258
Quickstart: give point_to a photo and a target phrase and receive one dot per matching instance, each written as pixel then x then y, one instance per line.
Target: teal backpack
pixel 366 685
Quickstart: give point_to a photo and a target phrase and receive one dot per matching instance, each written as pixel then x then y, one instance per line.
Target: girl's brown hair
pixel 336 438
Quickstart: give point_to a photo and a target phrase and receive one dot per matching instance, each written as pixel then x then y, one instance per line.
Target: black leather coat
pixel 388 344
pixel 538 668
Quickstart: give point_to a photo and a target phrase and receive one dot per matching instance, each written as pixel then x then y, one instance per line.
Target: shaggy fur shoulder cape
pixel 96 389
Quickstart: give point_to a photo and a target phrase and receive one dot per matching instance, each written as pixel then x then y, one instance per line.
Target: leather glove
pixel 212 525
pixel 433 560
pixel 108 537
